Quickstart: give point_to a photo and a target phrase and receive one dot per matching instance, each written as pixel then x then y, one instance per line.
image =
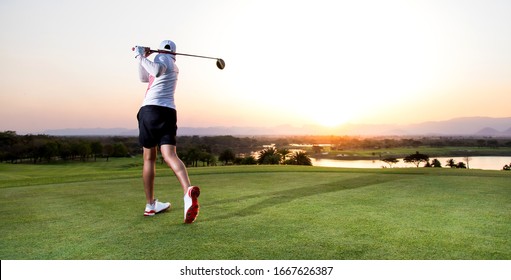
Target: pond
pixel 487 163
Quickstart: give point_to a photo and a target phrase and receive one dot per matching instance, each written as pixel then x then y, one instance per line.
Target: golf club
pixel 220 63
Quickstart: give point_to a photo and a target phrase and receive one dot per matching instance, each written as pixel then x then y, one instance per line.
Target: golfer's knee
pixel 150 159
pixel 168 158
pixel 150 155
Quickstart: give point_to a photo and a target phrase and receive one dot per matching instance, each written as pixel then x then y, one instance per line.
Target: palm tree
pixel 283 152
pixel 436 163
pixel 301 158
pixel 269 156
pixel 451 163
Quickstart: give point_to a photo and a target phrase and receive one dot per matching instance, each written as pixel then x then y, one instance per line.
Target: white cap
pixel 168 45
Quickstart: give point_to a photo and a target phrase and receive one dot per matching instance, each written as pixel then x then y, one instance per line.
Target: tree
pixel 461 165
pixel 416 158
pixel 300 158
pixel 493 143
pixel 481 143
pixel 193 156
pixel 269 156
pixel 120 150
pixel 84 150
pixel 206 158
pixel 436 163
pixel 108 151
pixel 96 148
pixel 283 153
pixel 451 163
pixel 390 161
pixel 467 159
pixel 50 150
pixel 64 150
pixel 8 140
pixel 227 156
pixel 250 160
pixel 507 167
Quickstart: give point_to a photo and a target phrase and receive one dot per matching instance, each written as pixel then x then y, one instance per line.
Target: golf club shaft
pixel 184 54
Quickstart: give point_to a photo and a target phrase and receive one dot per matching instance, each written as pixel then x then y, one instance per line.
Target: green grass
pixel 94 211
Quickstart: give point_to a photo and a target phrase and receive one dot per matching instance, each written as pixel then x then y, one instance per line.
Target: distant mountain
pixel 92 132
pixel 473 126
pixel 507 132
pixel 488 131
pixel 460 126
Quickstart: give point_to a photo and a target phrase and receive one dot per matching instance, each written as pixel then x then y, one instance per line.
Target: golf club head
pixel 220 63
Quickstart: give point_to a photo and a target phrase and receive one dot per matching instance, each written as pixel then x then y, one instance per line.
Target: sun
pixel 328 116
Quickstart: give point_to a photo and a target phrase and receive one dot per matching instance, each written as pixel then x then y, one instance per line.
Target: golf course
pixel 94 210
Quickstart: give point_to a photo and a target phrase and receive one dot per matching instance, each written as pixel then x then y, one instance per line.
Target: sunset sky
pixel 69 64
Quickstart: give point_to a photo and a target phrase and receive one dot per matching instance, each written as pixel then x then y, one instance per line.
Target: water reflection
pixel 487 163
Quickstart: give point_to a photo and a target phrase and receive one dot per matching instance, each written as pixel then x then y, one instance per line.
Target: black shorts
pixel 157 125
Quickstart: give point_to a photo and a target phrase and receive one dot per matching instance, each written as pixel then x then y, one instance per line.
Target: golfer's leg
pixel 148 173
pixel 170 156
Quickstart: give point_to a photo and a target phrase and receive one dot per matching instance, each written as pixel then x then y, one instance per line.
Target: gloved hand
pixel 140 51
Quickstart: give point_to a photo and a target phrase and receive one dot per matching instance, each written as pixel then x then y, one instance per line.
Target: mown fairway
pixel 95 211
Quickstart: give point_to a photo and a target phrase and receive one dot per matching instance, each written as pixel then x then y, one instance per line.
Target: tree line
pixel 16 148
pixel 193 150
pixel 213 150
pixel 419 158
pixel 269 155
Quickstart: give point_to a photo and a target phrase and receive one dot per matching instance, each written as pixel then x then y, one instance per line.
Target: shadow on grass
pixel 285 196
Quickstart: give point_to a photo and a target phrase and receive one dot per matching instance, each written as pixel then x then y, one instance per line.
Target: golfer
pixel 157 122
